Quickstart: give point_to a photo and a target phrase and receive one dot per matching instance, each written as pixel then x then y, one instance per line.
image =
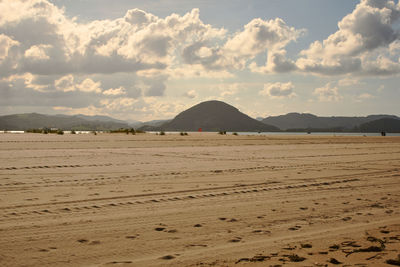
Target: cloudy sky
pixel 145 60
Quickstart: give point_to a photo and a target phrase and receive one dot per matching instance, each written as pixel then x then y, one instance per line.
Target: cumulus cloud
pixel 371 26
pixel 327 93
pixel 25 80
pixel 118 104
pixel 115 91
pixel 154 86
pixel 89 86
pixel 190 94
pixel 348 81
pixel 259 35
pixel 52 43
pixel 278 90
pixel 365 96
pixel 38 52
pixel 49 58
pixel 67 84
pixel 5 44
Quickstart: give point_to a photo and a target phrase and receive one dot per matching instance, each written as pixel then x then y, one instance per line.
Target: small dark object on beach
pixel 296 258
pixel 334 261
pixel 394 262
pixel 167 257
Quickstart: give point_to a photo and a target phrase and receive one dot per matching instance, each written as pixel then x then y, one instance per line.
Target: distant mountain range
pixel 148 124
pixel 310 121
pixel 389 125
pixel 209 116
pixel 79 122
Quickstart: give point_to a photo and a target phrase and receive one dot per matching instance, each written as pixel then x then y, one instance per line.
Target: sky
pixel 147 60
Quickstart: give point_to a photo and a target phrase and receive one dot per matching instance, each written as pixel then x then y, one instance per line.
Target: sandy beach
pixel 199 200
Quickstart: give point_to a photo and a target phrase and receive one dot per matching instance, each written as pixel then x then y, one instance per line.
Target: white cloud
pixel 138 41
pixel 38 52
pixel 362 97
pixel 259 35
pixel 327 93
pixel 5 44
pixel 48 57
pixel 159 108
pixel 276 63
pixel 67 84
pixel 348 82
pixel 28 80
pixel 229 89
pixel 139 18
pixel 190 94
pixel 365 96
pixel 90 110
pixel 118 104
pixel 369 27
pixel 278 90
pixel 154 85
pixel 89 86
pixel 115 91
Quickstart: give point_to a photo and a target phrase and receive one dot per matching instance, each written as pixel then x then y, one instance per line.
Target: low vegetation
pixel 124 130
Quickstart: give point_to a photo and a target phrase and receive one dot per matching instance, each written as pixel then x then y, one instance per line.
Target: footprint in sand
pixel 118 262
pixel 132 236
pixel 236 239
pixel 306 245
pixel 295 258
pixel 295 228
pixel 334 261
pixel 167 257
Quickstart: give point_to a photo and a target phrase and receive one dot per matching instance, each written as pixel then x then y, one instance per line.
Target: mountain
pixel 389 125
pixel 310 121
pixel 148 124
pixel 99 118
pixel 215 116
pixel 34 121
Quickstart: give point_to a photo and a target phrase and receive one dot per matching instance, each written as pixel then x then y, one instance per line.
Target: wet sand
pixel 199 200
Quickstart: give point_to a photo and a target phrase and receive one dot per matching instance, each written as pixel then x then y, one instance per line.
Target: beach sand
pixel 199 200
